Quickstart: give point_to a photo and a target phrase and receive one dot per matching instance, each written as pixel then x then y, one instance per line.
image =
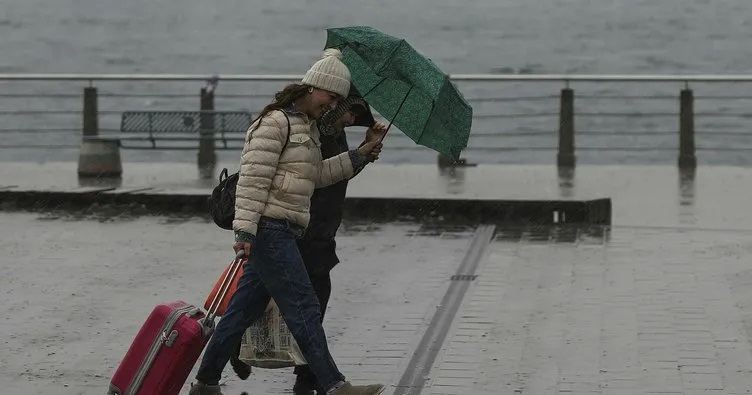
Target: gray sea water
pixel 472 36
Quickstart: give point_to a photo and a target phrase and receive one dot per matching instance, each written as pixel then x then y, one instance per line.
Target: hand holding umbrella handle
pixel 370 150
pixel 376 132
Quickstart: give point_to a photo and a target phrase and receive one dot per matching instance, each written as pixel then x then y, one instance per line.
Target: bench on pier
pixel 180 129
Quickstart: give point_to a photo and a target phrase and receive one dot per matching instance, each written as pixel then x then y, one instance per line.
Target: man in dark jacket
pixel 318 245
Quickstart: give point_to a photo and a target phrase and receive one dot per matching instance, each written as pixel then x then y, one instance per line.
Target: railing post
pixel 207 157
pixel 97 157
pixel 565 156
pixel 687 158
pixel 91 112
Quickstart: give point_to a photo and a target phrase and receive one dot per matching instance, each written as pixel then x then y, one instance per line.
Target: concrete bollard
pixel 565 156
pixel 97 157
pixel 687 158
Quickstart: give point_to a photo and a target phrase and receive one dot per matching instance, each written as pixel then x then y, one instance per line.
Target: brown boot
pixel 349 389
pixel 204 389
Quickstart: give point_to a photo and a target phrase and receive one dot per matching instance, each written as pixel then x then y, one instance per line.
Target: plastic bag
pixel 269 344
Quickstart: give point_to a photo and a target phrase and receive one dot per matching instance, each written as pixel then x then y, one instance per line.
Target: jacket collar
pixel 291 110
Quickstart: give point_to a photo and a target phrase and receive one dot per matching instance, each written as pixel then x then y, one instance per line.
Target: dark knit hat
pixel 363 115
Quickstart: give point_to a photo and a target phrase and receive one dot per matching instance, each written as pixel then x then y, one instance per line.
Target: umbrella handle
pixel 385 132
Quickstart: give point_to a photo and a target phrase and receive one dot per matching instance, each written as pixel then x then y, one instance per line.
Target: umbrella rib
pixel 374 87
pixel 391 121
pixel 388 58
pixel 433 107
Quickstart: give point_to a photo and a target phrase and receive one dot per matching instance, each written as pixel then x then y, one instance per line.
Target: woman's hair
pixel 284 99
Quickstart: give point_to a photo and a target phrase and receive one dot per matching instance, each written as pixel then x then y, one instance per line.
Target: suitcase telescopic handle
pixel 224 287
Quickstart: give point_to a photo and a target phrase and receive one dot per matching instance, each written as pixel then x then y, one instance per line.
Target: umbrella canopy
pixel 405 87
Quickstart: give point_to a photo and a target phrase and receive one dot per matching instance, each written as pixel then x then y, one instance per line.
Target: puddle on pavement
pixel 553 234
pixel 115 213
pixel 518 233
pixel 528 233
pixel 449 231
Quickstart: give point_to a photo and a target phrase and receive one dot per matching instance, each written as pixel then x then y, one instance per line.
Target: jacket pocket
pixel 278 181
pixel 280 185
pixel 286 182
pixel 301 139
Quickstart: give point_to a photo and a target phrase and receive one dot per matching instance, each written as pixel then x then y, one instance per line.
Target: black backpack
pixel 222 200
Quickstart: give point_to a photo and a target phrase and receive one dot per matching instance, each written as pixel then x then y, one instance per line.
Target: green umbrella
pixel 405 87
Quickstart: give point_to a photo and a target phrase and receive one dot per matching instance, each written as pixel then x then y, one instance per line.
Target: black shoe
pixel 242 369
pixel 304 385
pixel 305 381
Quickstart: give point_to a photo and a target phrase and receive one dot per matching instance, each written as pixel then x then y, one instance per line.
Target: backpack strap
pixel 287 140
pixel 288 131
pixel 223 175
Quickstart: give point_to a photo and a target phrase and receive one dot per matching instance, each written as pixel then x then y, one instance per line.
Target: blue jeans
pixel 275 269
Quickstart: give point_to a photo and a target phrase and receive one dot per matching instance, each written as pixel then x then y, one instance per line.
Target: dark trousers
pixel 322 286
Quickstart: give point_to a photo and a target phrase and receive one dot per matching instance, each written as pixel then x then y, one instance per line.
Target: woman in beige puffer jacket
pixel 280 167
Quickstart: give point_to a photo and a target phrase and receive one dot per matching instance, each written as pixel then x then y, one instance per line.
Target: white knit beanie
pixel 329 73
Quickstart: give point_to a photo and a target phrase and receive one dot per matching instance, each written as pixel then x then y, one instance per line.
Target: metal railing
pixel 91 78
pixel 515 116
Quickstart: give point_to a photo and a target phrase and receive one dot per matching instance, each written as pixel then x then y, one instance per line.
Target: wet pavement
pixel 651 311
pixel 659 303
pixel 75 293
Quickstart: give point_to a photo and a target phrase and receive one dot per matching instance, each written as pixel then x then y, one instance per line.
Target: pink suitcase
pixel 166 348
pixel 164 351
